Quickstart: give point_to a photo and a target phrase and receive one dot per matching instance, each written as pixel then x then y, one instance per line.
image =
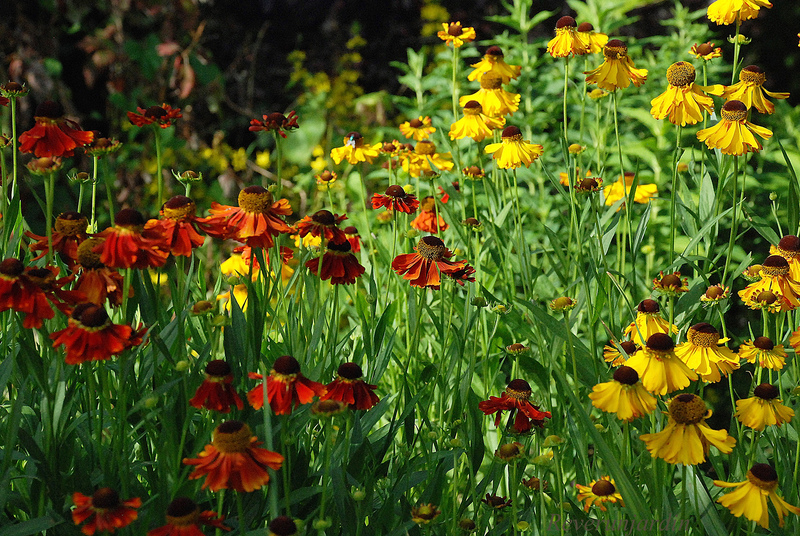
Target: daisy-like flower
pixel 91 336
pixel 776 278
pixel 53 135
pixel 734 134
pixel 397 199
pixel 354 150
pixel 494 61
pixel 729 11
pixel 104 511
pixel 622 188
pixel 513 152
pixel 750 90
pixel 234 460
pixel 216 392
pixel 425 161
pixel 589 185
pixel 764 352
pixel 599 492
pixel 417 129
pixel 750 497
pixel 15 293
pixel 275 122
pixel 32 291
pixel 648 322
pixel 496 502
pixel 705 353
pixel 624 395
pixel 184 519
pixel 325 179
pixel 349 387
pixel 422 514
pixel 69 230
pixel 568 41
pixel 612 352
pixel 516 400
pixel 423 268
pixel 178 225
pixel 617 69
pixel 338 264
pixel 455 35
pixel 323 223
pixel 97 281
pixel 351 233
pixel 255 221
pixel 670 284
pixel 686 438
pixel 705 51
pixel 494 100
pixel 287 388
pixel 282 526
pixel 163 116
pixel 715 294
pixel 428 220
pixel 763 408
pixel 475 124
pixel 128 244
pixel 684 101
pixel 595 41
pixel 789 248
pixel 659 368
pixel 509 452
pixel 562 304
pixel 101 146
pixel 473 173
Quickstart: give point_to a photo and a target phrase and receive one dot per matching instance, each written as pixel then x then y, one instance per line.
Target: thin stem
pixel 566 84
pixel 673 194
pixel 159 172
pixel 732 237
pixel 49 190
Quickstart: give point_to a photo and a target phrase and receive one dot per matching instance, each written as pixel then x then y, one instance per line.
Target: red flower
pixel 422 268
pixel 396 199
pixel 90 335
pixel 43 286
pixel 96 280
pixel 338 264
pixel 275 121
pixel 515 399
pixel 4 101
pixel 463 275
pixel 177 226
pixel 427 220
pixel 53 134
pixel 163 116
pixel 69 231
pixel 255 221
pixel 324 224
pixel 349 387
pixel 104 511
pixel 286 387
pixel 216 392
pixel 233 460
pixel 14 293
pixel 184 518
pixel 353 237
pixel 128 244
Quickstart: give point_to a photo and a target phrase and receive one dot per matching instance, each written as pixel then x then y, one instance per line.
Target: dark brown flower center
pixel 671 281
pixel 519 389
pixel 50 110
pixel 790 243
pixel 324 217
pixel 687 409
pixel 11 267
pixel 415 123
pixel 431 248
pixel 585 27
pixel 509 450
pixel 763 476
pixel 181 506
pixel 603 488
pixel 128 217
pixel 511 132
pixel 649 306
pixel 494 50
pixel 660 342
pixel 629 347
pixel 350 371
pixel 715 291
pixel 626 375
pixel 588 184
pixel 350 230
pixel 753 74
pixel 155 112
pixel 566 22
pixel 767 391
pixel 218 367
pixel 681 74
pixel 764 343
pixel 455 29
pixel 705 49
pixel 71 224
pixel 286 365
pixel 615 50
pixel 91 316
pixel 775 265
pixel 282 526
pixel 105 498
pixel 703 334
pixel 766 297
pixel 344 247
pixel 396 191
pixel 734 110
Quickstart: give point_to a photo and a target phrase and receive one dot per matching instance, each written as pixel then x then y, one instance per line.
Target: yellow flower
pixel 354 150
pixel 599 492
pixel 706 51
pixel 750 90
pixel 239 294
pixel 684 101
pixel 424 158
pixel 513 151
pixel 728 11
pixel 424 513
pixel 595 40
pixel 262 159
pixel 493 61
pixel 763 408
pixel 622 188
pixel 456 35
pixel 624 395
pixel 686 437
pixel 474 124
pixel 417 129
pixel 567 40
pixel 617 69
pixel 613 352
pixel 750 499
pixel 776 278
pixel 494 100
pixel 670 284
pixel 648 322
pixel 715 294
pixel 734 133
pixel 706 354
pixel 762 350
pixel 659 368
pixel 794 339
pixel 239 159
pixel 789 248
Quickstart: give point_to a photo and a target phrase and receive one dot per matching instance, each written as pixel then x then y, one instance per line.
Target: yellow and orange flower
pixel 425 161
pixel 750 497
pixel 775 278
pixel 216 392
pixel 97 281
pixel 184 519
pixel 129 244
pixel 163 116
pixel 397 199
pixel 613 352
pixel 513 152
pixel 423 268
pixel 429 220
pixel 598 492
pixel 568 41
pixel 494 100
pixel 764 353
pixel 684 102
pixel 53 135
pixel 323 223
pixel 350 388
pixel 730 11
pixel 789 248
pixel 595 41
pixel 178 225
pixel 338 264
pixel 750 90
pixel 705 51
pixel 763 409
pixel 69 230
pixel 287 388
pixel 455 35
pixel 91 336
pixel 617 69
pixel 734 134
pixel 354 150
pixel 417 129
pixel 255 221
pixel 103 511
pixel 494 61
pixel 475 124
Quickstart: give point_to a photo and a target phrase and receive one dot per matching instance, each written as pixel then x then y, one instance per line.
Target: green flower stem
pixel 326 469
pixel 513 487
pixel 673 195
pixel 220 497
pixel 13 147
pixel 3 191
pixel 279 159
pixel 49 191
pixel 108 182
pixel 736 47
pixel 80 195
pixel 566 85
pixel 732 238
pixel 286 468
pixel 269 442
pixel 455 83
pixel 628 224
pixel 159 171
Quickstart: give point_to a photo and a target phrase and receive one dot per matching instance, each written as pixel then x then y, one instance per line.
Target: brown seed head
pixel 764 343
pixel 566 22
pixel 766 391
pixel 350 371
pixel 626 375
pixel 649 306
pixel 286 365
pixel 105 498
pixel 660 342
pixel 603 488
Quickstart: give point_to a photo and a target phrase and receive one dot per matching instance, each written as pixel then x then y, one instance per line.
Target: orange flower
pixel 428 221
pixel 516 400
pixel 177 226
pixel 276 122
pixel 233 460
pixel 104 511
pixel 353 237
pixel 90 335
pixel 183 518
pixel 129 245
pixel 163 116
pixel 216 392
pixel 349 387
pixel 255 221
pixel 69 231
pixel 42 285
pixel 338 264
pixel 286 387
pixel 422 268
pixel 96 280
pixel 323 223
pixel 53 135
pixel 396 199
